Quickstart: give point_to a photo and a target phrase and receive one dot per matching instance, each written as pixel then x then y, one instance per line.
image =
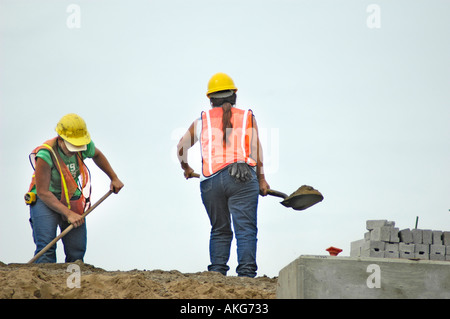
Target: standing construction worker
pixel 60 188
pixel 232 175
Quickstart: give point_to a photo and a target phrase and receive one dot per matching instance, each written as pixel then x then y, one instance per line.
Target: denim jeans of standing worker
pixel 226 199
pixel 44 223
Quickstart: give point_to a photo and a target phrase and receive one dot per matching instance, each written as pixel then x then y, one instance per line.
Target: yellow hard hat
pixel 220 82
pixel 72 128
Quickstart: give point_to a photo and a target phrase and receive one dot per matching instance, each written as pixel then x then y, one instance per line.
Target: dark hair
pixel 226 103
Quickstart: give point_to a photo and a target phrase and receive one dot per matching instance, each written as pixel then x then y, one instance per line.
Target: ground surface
pixel 53 281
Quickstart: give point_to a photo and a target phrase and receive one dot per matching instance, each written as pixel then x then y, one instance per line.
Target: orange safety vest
pixel 215 155
pixel 68 184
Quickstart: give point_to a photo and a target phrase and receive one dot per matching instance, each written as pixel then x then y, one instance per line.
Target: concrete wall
pixel 322 277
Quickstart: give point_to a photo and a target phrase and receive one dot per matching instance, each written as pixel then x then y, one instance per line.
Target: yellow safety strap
pixel 66 191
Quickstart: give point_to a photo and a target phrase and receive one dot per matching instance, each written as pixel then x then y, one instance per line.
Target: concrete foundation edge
pixel 329 277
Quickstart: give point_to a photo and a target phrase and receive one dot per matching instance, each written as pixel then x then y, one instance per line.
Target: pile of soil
pixel 54 281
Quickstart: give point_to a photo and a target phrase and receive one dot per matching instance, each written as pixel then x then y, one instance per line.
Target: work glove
pixel 241 172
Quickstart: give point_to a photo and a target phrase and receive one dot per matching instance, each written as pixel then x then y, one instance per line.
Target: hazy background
pixel 360 113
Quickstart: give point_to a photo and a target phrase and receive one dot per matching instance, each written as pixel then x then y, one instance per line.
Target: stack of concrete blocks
pixel 384 240
pixel 426 243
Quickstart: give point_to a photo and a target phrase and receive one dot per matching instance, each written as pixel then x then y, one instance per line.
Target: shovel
pixel 68 229
pixel 304 197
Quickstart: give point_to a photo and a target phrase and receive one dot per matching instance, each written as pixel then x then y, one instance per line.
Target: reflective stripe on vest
pixel 214 155
pixel 68 183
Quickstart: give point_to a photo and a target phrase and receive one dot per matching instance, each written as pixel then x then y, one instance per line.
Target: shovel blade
pixel 304 197
pixel 302 202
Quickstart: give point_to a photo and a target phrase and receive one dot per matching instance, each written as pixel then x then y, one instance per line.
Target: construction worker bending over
pixel 232 175
pixel 60 188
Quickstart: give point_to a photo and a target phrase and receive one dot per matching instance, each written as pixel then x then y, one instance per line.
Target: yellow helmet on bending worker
pixel 73 129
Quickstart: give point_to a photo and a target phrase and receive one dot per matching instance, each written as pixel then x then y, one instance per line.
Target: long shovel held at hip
pixel 304 197
pixel 68 229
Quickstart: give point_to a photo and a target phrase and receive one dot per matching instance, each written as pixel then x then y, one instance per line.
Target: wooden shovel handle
pixel 273 192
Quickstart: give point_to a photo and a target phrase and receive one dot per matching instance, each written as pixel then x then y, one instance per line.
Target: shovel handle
pixel 275 193
pixel 68 229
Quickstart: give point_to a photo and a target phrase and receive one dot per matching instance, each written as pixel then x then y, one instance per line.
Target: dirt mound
pixel 58 281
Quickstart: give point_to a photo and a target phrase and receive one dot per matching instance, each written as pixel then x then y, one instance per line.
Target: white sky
pixel 361 114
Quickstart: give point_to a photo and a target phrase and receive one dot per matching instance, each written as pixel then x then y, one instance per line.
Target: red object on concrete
pixel 333 251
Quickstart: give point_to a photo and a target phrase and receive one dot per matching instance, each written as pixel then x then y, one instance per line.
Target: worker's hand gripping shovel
pixel 68 229
pixel 304 197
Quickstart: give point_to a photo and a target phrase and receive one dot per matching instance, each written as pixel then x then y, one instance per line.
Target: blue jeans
pixel 226 200
pixel 44 223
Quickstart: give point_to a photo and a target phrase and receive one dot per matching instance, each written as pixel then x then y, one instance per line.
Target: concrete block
pixel 422 251
pixel 409 254
pixel 407 248
pixel 334 277
pixel 367 235
pixel 437 257
pixel 447 250
pixel 391 254
pixel 355 247
pixel 390 223
pixel 405 255
pixel 417 236
pixel 427 236
pixel 380 234
pixel 391 250
pixel 391 247
pixel 446 238
pixel 371 224
pixel 394 238
pixel 437 237
pixel 373 249
pixel 437 249
pixel 406 236
pixel 437 252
